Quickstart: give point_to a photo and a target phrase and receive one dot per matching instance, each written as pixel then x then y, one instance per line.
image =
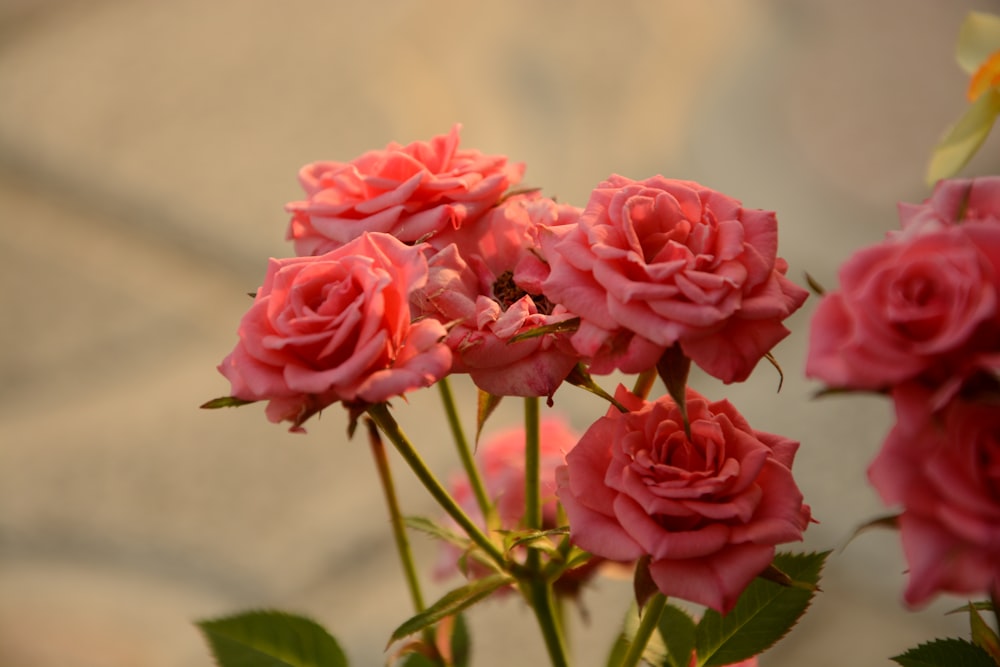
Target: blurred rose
pixel 943 470
pixel 411 192
pixel 485 285
pixel 955 201
pixel 905 305
pixel 708 510
pixel 336 328
pixel 501 464
pixel 658 262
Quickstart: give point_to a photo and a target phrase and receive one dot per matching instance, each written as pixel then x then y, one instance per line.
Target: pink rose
pixel 336 328
pixel 501 463
pixel 486 286
pixel 943 470
pixel 953 202
pixel 708 510
pixel 658 262
pixel 913 304
pixel 411 192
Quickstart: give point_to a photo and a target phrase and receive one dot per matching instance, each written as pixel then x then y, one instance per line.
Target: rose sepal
pixel 983 635
pixel 225 402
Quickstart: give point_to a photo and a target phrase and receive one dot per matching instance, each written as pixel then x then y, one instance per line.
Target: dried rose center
pixel 507 293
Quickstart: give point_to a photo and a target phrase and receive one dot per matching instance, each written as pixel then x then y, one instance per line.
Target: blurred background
pixel 146 151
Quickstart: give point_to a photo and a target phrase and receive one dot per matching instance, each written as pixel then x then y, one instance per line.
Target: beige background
pixel 146 150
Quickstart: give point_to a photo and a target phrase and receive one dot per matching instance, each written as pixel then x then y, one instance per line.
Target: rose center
pixel 507 293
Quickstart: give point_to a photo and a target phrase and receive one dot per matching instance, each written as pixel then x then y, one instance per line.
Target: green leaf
pixel 271 639
pixel 964 138
pixel 763 615
pixel 487 403
pixel 978 37
pixel 983 635
pixel 945 653
pixel 461 642
pixel 452 603
pixel 677 629
pixel 224 402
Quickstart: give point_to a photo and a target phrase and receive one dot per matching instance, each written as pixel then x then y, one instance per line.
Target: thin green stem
pixel 398 525
pixel 395 516
pixel 644 383
pixel 465 453
pixel 539 595
pixel 381 416
pixel 650 619
pixel 537 589
pixel 532 466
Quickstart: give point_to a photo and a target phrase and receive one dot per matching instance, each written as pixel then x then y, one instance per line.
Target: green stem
pixel 395 516
pixel 532 466
pixel 644 383
pixel 381 416
pixel 539 594
pixel 538 590
pixel 650 619
pixel 398 525
pixel 465 453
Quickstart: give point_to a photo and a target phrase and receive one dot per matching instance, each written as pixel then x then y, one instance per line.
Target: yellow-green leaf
pixel 964 138
pixel 978 37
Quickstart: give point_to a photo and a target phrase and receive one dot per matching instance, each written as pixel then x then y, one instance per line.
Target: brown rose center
pixel 507 293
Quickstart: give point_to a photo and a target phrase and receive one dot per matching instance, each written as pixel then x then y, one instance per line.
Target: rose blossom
pixel 660 261
pixel 411 192
pixel 955 201
pixel 501 463
pixel 486 286
pixel 915 303
pixel 336 328
pixel 943 470
pixel 708 510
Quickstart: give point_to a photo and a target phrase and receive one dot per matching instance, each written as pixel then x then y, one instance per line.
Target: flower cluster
pixel 414 263
pixel 918 316
pixel 420 261
pixel 522 288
